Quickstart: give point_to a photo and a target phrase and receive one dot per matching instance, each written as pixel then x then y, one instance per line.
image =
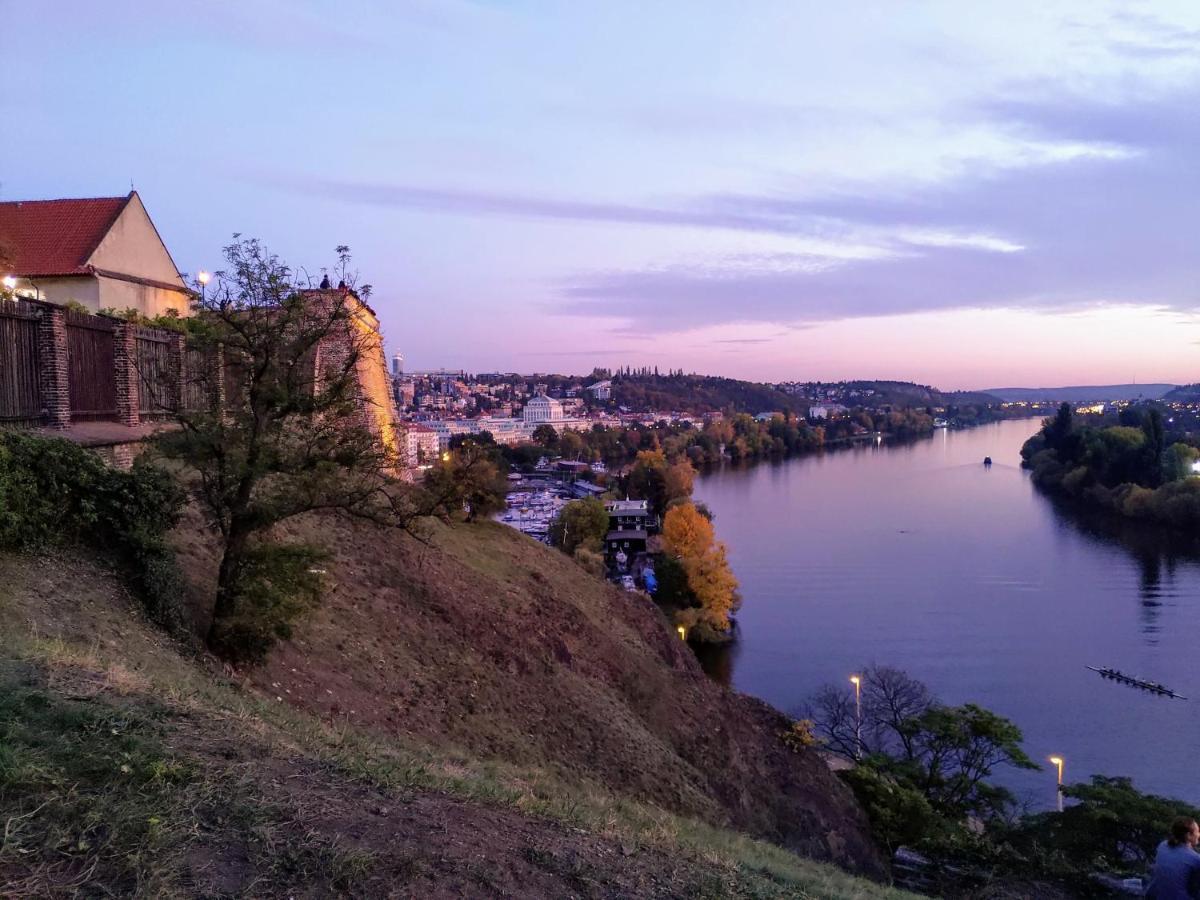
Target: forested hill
pixel 699 393
pixel 1185 393
pixel 907 394
pixel 643 390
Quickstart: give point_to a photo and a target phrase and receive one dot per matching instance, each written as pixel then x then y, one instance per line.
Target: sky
pixel 968 195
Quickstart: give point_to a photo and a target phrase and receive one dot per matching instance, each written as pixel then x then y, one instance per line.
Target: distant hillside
pixel 1084 393
pixel 704 393
pixel 698 394
pixel 875 393
pixel 1184 393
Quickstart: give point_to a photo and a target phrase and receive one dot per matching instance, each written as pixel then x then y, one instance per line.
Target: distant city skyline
pixel 964 195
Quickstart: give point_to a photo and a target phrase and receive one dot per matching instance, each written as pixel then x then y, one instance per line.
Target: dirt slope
pixel 486 641
pixel 129 769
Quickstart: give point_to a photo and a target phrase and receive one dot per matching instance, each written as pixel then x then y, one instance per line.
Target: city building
pixel 627 515
pixel 601 390
pixel 620 547
pixel 404 391
pixel 398 364
pixel 543 410
pixel 421 444
pixel 827 411
pixel 99 252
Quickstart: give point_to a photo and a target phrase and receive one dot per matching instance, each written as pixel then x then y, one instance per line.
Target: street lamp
pixel 1058 762
pixel 203 278
pixel 10 282
pixel 857 682
pixel 682 633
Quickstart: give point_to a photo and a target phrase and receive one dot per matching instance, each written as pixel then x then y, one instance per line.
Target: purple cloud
pixel 1095 231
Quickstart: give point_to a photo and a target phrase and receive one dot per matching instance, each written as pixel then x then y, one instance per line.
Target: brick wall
pixel 53 375
pixel 129 401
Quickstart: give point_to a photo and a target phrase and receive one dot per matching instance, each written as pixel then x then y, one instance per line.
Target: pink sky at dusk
pixel 968 195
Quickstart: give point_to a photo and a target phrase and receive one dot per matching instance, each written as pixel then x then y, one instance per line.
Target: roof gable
pixel 57 237
pixel 133 246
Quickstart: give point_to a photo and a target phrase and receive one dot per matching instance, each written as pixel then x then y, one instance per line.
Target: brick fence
pixel 59 366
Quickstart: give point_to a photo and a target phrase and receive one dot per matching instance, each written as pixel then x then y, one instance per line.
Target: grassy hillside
pixel 127 768
pixel 485 641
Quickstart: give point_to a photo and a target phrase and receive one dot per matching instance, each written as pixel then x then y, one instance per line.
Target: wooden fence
pixel 20 388
pixel 59 366
pixel 91 365
pixel 199 383
pixel 156 381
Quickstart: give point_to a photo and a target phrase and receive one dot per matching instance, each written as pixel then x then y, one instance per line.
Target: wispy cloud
pixel 1089 233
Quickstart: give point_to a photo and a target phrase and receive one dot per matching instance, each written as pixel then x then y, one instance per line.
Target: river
pixel 917 556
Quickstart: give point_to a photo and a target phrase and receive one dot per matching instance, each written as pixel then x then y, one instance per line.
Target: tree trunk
pixel 235 548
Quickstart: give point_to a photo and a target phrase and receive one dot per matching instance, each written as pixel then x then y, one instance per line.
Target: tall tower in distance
pixel 398 364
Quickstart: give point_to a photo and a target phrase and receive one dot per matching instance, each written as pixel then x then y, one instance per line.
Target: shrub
pixel 899 813
pixel 54 492
pixel 592 561
pixel 274 585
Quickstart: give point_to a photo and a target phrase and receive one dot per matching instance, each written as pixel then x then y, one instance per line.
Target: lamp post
pixel 203 278
pixel 857 682
pixel 1058 762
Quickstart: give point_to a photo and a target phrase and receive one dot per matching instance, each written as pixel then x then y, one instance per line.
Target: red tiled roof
pixel 56 237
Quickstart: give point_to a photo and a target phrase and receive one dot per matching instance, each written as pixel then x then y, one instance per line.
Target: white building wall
pixel 82 289
pixel 133 247
pixel 149 301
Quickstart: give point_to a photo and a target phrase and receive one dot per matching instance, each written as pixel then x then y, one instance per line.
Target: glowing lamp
pixel 10 282
pixel 203 277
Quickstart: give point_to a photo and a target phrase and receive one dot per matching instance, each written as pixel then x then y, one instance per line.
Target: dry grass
pixel 91 691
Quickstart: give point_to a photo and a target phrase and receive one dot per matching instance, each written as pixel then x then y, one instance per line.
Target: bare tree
pixel 945 752
pixel 892 701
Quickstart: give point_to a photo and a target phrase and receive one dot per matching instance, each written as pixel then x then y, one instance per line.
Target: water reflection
pixel 718 660
pixel 1156 552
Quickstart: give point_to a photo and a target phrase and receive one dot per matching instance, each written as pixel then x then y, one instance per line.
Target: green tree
pixel 655 480
pixel 289 441
pixel 545 436
pixel 1059 427
pixel 580 524
pixel 1152 458
pixel 947 753
pixel 1110 825
pixel 470 481
pixel 571 445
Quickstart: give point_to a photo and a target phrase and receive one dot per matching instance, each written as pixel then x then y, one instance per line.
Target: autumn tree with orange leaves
pixel 688 539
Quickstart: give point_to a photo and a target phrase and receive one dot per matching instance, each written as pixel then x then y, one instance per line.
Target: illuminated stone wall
pixel 373 396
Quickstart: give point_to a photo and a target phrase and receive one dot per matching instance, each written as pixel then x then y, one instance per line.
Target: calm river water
pixel 917 556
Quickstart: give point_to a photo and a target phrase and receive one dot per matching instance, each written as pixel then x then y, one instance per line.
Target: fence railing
pixel 60 365
pixel 20 387
pixel 91 365
pixel 156 380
